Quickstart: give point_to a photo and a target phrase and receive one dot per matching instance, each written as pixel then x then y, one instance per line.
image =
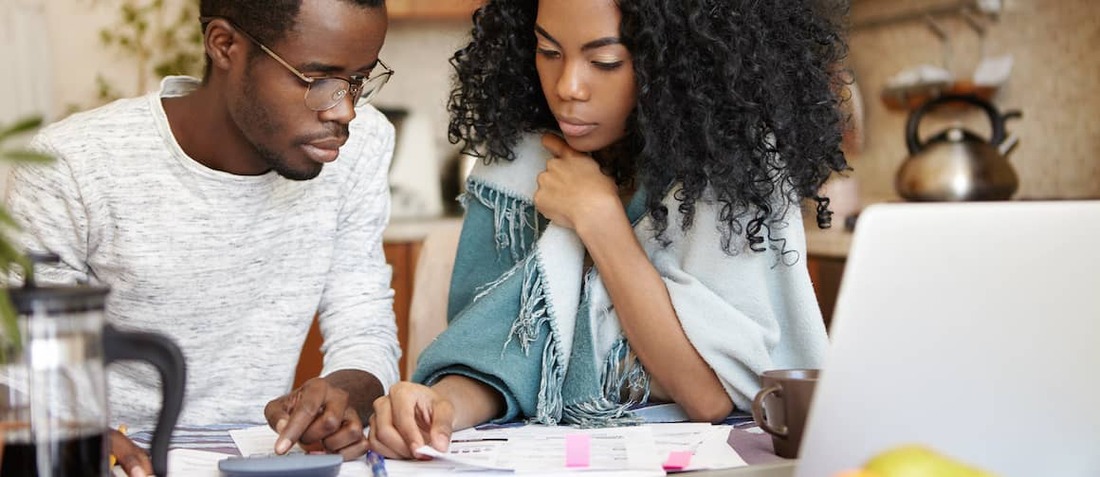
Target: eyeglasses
pixel 325 93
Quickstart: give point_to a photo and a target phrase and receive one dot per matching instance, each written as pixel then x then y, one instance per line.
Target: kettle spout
pixel 1008 145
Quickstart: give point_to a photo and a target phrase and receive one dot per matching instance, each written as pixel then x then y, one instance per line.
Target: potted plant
pixel 10 256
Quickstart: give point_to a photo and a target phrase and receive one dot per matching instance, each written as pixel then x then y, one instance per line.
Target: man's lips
pixel 324 150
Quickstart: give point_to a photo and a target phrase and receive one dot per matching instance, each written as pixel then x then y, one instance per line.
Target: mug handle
pixel 162 353
pixel 758 411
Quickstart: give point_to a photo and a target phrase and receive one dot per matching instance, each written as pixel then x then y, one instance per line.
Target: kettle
pixel 957 164
pixel 53 393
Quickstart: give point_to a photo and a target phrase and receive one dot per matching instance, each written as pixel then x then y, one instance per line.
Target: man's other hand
pixel 317 417
pixel 133 459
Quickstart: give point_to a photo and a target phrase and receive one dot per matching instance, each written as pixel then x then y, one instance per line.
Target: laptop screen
pixel 969 328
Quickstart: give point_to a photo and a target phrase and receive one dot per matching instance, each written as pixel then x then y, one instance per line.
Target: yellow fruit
pixel 919 461
pixel 856 473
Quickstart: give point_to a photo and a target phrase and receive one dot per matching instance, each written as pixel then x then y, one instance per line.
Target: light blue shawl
pixel 525 318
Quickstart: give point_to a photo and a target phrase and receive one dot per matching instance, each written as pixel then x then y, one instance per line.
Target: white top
pixel 232 268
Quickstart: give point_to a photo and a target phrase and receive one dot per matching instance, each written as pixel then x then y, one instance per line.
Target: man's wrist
pixel 362 388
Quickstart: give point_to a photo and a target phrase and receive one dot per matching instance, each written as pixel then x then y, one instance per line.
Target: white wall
pixel 76 54
pixel 23 43
pixel 418 51
pixel 1054 82
pixel 25 82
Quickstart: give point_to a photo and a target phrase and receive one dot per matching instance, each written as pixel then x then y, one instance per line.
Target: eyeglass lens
pixel 326 93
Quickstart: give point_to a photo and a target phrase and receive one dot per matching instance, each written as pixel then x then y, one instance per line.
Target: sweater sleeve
pixel 356 311
pixel 47 204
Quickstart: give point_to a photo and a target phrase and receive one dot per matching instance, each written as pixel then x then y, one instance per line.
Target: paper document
pixel 534 449
pixel 706 443
pixel 189 462
pixel 544 449
pixel 259 440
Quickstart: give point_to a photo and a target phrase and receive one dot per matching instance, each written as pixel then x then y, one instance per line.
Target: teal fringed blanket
pixel 525 318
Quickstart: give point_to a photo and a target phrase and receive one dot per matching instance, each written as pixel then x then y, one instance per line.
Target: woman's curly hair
pixel 738 96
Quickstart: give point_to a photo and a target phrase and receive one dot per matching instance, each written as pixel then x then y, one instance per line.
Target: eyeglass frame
pixel 352 87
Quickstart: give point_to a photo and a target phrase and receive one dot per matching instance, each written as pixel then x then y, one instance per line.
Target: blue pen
pixel 377 464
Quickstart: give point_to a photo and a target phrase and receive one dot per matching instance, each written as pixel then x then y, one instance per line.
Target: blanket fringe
pixel 534 314
pixel 625 384
pixel 488 287
pixel 624 378
pixel 511 216
pixel 533 308
pixel 599 413
pixel 549 408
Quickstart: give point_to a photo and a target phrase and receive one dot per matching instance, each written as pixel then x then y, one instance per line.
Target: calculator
pixel 293 465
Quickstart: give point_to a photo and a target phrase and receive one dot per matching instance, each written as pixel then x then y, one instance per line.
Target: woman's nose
pixel 571 85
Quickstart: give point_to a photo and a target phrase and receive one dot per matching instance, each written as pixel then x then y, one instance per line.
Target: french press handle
pixel 162 353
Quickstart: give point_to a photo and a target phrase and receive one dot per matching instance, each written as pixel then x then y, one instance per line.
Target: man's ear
pixel 222 44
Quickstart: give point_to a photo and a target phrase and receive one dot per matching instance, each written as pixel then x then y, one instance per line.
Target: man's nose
pixel 344 110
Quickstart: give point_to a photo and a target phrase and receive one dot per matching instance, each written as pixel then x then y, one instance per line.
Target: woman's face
pixel 586 73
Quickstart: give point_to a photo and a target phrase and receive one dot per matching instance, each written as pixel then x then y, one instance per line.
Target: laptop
pixel 972 329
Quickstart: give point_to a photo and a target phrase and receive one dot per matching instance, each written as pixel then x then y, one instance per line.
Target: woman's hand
pixel 410 416
pixel 573 189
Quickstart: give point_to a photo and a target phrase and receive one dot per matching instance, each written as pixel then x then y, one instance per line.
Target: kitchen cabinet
pixel 432 9
pixel 826 255
pixel 401 255
pixel 826 273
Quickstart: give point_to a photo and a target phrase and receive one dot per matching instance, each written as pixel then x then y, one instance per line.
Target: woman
pixel 647 246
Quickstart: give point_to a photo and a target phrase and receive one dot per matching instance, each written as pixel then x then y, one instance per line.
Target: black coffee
pixel 79 457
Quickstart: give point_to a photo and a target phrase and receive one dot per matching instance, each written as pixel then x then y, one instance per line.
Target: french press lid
pixel 53 300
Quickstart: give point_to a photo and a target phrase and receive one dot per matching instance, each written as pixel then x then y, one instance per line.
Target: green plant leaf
pixel 9 324
pixel 6 219
pixel 20 127
pixel 10 257
pixel 22 155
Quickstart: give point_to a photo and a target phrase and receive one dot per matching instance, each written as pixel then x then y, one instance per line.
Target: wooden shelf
pixel 400 10
pixel 905 99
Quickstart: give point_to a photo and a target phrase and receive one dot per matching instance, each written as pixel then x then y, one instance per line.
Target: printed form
pixel 530 449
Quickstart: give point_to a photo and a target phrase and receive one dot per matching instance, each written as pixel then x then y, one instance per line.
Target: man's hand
pixel 318 417
pixel 134 461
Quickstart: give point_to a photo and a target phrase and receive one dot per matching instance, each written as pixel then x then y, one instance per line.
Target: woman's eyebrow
pixel 542 32
pixel 601 42
pixel 597 43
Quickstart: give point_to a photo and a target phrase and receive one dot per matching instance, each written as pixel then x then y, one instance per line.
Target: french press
pixel 53 396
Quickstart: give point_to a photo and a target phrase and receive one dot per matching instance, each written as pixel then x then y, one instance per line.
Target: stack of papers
pixel 650 449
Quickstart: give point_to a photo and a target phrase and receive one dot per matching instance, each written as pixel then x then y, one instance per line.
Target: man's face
pixel 330 38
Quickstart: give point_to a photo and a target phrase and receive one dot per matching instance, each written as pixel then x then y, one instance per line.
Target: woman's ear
pixel 220 41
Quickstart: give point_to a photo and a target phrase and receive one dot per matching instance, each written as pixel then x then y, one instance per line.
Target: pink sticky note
pixel 577 450
pixel 678 460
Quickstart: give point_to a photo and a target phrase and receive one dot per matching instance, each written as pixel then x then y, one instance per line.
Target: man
pixel 219 215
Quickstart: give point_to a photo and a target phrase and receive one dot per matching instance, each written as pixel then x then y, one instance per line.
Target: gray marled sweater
pixel 231 267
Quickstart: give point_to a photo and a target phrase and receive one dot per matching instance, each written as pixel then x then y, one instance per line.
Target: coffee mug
pixel 781 406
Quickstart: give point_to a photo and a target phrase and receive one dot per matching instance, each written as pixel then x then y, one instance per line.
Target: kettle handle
pixel 996 120
pixel 162 353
